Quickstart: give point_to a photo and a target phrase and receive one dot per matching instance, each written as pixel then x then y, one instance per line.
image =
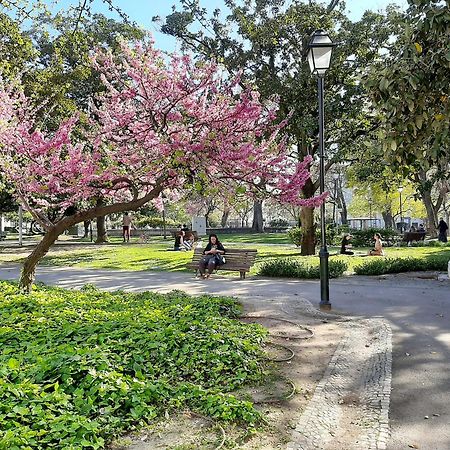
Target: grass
pixel 156 257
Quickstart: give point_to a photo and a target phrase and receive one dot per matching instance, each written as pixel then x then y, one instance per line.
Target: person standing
pixel 126 226
pixel 442 227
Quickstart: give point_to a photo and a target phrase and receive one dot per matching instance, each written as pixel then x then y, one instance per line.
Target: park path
pixel 415 309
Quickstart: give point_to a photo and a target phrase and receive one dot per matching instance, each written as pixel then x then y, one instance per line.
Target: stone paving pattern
pixel 359 370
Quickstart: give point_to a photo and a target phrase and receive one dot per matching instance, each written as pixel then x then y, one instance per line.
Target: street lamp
pixel 400 190
pixel 320 48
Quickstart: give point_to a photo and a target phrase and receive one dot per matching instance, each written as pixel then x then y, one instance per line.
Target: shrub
pixel 294 268
pixel 78 367
pixel 380 266
pixel 295 235
pixel 278 223
pixel 364 238
pixel 153 222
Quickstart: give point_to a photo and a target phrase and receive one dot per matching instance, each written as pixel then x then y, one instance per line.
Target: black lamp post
pixel 320 48
pixel 400 190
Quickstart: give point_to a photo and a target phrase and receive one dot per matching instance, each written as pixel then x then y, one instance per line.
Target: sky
pixel 142 11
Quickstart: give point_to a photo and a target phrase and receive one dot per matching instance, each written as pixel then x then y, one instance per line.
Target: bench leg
pixel 242 275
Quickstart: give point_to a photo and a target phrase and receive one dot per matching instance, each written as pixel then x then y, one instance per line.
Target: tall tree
pixel 267 40
pixel 410 88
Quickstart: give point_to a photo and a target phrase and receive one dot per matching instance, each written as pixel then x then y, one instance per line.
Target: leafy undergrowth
pixel 80 367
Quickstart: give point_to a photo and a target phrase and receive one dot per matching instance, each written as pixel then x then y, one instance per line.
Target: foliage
pixel 295 268
pixel 279 223
pixel 79 367
pixel 364 238
pixel 416 122
pixel 153 222
pixel 295 235
pixel 380 266
pixel 266 41
pixel 163 125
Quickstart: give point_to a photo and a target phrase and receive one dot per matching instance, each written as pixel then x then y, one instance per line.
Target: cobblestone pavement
pixel 350 406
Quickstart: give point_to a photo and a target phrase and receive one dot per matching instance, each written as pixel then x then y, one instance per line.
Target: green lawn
pixel 157 254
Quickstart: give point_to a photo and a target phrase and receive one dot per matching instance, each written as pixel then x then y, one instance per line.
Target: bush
pixel 295 235
pixel 294 268
pixel 153 222
pixel 380 266
pixel 79 367
pixel 278 223
pixel 364 238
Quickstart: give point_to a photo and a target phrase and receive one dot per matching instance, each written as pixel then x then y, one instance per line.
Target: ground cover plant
pixel 79 367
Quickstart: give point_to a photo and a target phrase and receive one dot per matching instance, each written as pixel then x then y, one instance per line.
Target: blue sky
pixel 142 11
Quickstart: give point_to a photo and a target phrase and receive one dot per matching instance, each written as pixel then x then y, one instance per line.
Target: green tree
pixel 410 89
pixel 266 40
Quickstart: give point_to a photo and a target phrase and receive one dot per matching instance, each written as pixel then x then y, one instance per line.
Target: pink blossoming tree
pixel 162 125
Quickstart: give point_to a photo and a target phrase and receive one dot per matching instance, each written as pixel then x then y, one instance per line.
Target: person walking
pixel 126 227
pixel 442 227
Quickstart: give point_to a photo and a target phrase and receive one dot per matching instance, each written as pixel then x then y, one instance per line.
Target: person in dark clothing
pixel 442 227
pixel 212 256
pixel 345 245
pixel 179 239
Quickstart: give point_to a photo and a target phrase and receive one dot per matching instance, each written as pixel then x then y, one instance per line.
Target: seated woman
pixel 378 248
pixel 345 245
pixel 212 256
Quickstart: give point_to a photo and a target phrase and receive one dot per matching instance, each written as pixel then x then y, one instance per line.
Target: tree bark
pixel 388 219
pixel 431 212
pixel 29 267
pixel 86 225
pixel 225 215
pixel 343 206
pixel 258 223
pixel 308 245
pixel 52 232
pixel 102 236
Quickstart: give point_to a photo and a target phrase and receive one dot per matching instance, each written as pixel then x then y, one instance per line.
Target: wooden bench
pixel 411 236
pixel 237 260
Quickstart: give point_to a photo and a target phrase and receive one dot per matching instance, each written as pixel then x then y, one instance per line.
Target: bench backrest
pixel 414 236
pixel 235 258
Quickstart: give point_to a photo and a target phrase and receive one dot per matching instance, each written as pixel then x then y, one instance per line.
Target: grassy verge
pixel 80 367
pixel 156 257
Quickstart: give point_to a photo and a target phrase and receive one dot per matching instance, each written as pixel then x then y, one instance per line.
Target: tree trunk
pixel 388 219
pixel 225 215
pixel 343 206
pixel 102 236
pixel 258 223
pixel 86 225
pixel 431 212
pixel 308 245
pixel 29 267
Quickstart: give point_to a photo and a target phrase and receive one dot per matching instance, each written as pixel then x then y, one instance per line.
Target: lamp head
pixel 320 48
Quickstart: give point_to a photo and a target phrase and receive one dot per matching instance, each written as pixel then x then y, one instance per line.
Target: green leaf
pixel 13 363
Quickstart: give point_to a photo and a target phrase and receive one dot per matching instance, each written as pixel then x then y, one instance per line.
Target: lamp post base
pixel 325 306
